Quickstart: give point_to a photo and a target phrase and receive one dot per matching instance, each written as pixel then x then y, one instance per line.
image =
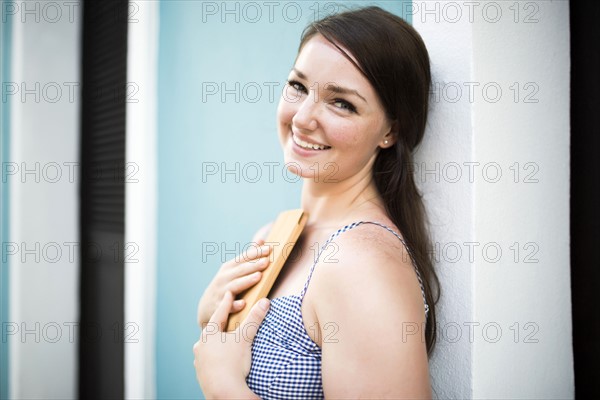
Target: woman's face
pixel 329 117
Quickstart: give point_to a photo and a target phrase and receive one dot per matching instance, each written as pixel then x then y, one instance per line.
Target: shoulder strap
pixel 353 225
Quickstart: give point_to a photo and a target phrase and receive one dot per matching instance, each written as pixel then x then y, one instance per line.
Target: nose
pixel 306 114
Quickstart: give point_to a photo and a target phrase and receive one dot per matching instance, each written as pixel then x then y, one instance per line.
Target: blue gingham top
pixel 286 363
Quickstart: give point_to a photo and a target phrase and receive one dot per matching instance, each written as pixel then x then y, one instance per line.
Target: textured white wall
pixel 448 140
pixel 44 132
pixel 500 105
pixel 530 301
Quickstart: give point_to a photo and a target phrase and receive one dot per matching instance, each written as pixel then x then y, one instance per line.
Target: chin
pixel 306 169
pixel 297 167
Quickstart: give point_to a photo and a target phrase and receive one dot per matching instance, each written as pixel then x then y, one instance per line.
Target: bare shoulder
pixel 370 313
pixel 371 249
pixel 262 233
pixel 368 266
pixel 369 240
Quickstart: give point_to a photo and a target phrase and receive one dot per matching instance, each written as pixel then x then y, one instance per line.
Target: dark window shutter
pixel 102 212
pixel 585 195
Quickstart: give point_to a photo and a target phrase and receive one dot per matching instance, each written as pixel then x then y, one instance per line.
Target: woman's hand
pixel 223 359
pixel 235 275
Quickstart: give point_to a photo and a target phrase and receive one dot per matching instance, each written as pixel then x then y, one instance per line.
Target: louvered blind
pixel 102 211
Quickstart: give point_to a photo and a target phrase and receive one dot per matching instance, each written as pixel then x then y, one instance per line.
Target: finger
pixel 252 253
pixel 249 267
pixel 255 251
pixel 240 284
pixel 221 314
pixel 255 318
pixel 238 305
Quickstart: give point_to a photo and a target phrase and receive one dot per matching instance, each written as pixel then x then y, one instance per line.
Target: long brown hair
pixel 392 56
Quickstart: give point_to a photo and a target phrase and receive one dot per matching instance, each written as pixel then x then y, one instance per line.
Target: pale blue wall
pixel 197 48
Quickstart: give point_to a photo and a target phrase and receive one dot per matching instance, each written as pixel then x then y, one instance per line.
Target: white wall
pixel 449 139
pixel 141 202
pixel 43 232
pixel 539 362
pixel 505 320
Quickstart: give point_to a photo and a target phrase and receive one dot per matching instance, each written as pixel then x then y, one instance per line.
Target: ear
pixel 389 139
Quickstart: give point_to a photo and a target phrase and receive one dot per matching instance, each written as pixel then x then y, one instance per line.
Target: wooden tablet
pixel 283 236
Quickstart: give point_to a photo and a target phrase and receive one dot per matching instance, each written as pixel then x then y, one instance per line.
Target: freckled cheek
pixel 285 112
pixel 343 136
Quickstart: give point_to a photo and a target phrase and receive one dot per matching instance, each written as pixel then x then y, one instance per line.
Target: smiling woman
pixel 360 323
pixel 334 116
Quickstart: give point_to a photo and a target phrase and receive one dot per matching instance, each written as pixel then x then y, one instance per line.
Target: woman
pixel 359 321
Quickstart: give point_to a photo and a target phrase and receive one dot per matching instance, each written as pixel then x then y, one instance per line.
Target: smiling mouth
pixel 309 146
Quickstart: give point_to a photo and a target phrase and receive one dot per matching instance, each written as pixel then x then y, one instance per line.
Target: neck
pixel 331 203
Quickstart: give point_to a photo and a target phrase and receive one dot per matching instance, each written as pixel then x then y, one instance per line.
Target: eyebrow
pixel 332 87
pixel 299 73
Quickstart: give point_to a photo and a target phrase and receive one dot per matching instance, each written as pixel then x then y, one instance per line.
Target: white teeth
pixel 307 145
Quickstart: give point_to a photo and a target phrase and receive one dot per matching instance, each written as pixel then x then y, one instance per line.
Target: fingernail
pixel 264 304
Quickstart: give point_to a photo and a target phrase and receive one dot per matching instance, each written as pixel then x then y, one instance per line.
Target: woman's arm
pixel 218 355
pixel 371 315
pixel 236 275
pixel 223 359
